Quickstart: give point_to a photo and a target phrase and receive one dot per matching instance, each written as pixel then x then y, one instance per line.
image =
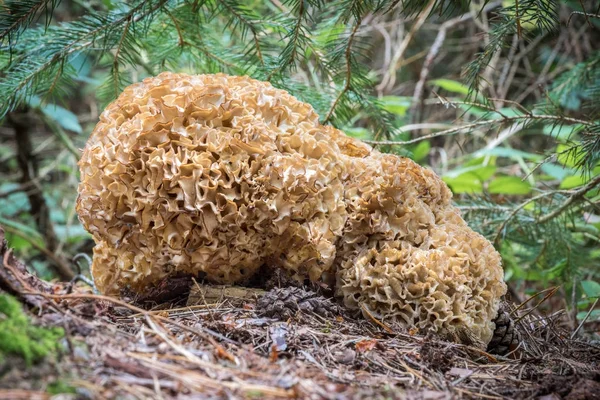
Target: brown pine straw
pixel 224 350
pixel 195 379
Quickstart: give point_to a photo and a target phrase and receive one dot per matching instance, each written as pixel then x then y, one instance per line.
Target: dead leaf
pixel 221 352
pixel 274 354
pixel 365 345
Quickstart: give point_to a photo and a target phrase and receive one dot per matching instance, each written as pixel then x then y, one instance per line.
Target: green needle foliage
pixel 18 15
pixel 144 37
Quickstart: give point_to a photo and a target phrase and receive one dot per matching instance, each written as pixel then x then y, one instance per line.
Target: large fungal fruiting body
pixel 217 175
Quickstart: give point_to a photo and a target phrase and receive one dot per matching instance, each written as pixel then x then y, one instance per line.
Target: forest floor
pixel 228 349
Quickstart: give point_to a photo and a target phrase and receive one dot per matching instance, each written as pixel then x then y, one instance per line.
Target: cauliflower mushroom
pixel 218 175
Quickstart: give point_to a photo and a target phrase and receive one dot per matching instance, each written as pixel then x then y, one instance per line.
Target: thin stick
pixel 550 293
pixel 577 195
pixel 476 125
pixel 378 322
pixel 585 318
pixel 348 84
pixel 437 45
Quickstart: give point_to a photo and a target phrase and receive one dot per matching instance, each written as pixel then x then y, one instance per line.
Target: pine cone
pixel 505 338
pixel 283 303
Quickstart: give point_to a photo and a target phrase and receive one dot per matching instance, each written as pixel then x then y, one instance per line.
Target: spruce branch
pixel 437 45
pixel 55 81
pixel 181 41
pixel 587 17
pixel 518 19
pixel 576 195
pixel 297 40
pixel 356 9
pixel 514 211
pixel 348 81
pixel 210 55
pixel 542 14
pixel 115 64
pixel 28 75
pixel 588 153
pixel 243 15
pixel 17 15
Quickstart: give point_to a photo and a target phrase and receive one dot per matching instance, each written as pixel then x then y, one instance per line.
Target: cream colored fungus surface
pixel 219 175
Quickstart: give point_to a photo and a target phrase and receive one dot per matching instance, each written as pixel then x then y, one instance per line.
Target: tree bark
pixel 38 206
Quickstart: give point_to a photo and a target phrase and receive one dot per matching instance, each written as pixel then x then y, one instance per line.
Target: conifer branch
pixel 576 195
pixel 181 41
pixel 16 15
pixel 514 211
pixel 115 65
pixel 55 81
pixel 81 40
pixel 289 52
pixel 211 55
pixel 237 13
pixel 348 81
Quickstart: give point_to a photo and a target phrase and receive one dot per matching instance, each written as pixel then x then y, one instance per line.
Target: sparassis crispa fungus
pixel 219 175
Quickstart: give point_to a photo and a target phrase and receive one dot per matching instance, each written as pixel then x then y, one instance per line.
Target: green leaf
pixel 17 243
pixel 591 288
pixel 487 114
pixel 451 86
pixel 60 115
pixel 358 133
pixel 594 315
pixel 14 203
pixel 475 111
pixel 482 172
pixel 509 112
pixel 481 161
pixel 396 104
pixel 108 4
pixel 573 181
pixel 509 153
pixel 31 232
pixel 421 150
pixel 509 185
pixel 464 183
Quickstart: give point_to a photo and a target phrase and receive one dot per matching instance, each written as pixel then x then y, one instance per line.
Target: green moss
pixel 59 387
pixel 19 337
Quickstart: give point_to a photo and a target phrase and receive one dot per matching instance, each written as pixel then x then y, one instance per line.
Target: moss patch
pixel 19 337
pixel 59 387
